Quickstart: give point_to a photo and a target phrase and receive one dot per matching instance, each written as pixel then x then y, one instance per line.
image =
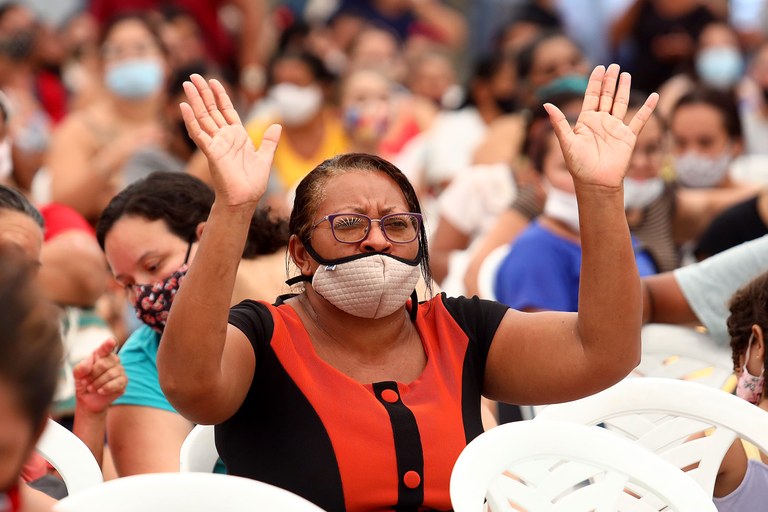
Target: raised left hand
pixel 598 148
pixel 99 379
pixel 239 171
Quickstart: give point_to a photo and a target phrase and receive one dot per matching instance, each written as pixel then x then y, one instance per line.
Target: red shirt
pixel 59 218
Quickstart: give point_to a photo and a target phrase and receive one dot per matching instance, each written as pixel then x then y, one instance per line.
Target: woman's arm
pixel 145 439
pixel 34 500
pixel 732 470
pixel 624 25
pixel 447 238
pixel 552 357
pixel 205 366
pixel 664 302
pixel 99 380
pixel 83 178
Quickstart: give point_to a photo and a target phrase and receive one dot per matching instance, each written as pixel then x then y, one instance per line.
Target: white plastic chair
pixel 678 352
pixel 548 466
pixel 190 492
pixel 70 456
pixel 486 274
pixel 662 415
pixel 198 452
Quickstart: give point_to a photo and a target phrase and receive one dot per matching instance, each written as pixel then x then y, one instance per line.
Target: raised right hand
pixel 239 172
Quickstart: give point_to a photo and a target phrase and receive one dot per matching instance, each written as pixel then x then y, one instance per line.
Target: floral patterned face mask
pixel 152 302
pixel 750 387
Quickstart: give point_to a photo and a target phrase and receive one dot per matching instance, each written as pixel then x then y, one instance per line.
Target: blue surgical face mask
pixel 135 79
pixel 720 67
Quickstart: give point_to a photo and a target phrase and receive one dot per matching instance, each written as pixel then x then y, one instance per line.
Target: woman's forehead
pixel 362 188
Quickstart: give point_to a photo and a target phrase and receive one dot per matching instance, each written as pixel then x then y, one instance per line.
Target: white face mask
pixel 295 104
pixel 562 206
pixel 371 286
pixel 641 193
pixel 6 159
pixel 699 171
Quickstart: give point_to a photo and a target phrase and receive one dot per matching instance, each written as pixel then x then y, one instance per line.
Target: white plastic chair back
pixel 486 274
pixel 677 352
pixel 198 452
pixel 70 456
pixel 190 492
pixel 548 466
pixel 662 415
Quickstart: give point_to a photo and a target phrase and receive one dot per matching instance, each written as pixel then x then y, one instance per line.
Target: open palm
pixel 598 148
pixel 239 171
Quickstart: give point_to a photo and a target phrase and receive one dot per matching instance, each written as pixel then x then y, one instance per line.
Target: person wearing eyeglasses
pixel 353 393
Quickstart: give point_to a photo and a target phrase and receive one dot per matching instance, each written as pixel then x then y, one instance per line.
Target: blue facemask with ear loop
pixel 720 67
pixel 135 79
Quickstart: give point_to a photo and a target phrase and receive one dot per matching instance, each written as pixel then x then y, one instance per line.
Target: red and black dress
pixel 306 427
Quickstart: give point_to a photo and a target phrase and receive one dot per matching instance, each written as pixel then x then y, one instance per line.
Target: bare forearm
pixel 664 302
pixel 253 12
pixel 88 189
pixel 623 26
pixel 91 428
pixel 86 196
pixel 610 298
pixel 189 358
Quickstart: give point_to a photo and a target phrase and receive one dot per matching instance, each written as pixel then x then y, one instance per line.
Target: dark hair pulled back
pixel 311 189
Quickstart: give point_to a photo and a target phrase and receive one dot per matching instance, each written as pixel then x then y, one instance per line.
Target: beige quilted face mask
pixel 373 286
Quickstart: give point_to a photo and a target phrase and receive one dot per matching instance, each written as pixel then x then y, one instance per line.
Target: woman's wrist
pixel 589 191
pixel 241 213
pixel 83 412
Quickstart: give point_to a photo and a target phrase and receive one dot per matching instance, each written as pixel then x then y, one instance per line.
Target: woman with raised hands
pixel 348 393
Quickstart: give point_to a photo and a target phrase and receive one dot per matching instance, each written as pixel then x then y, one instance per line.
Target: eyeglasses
pixel 351 228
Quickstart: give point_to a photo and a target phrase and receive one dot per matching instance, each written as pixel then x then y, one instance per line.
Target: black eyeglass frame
pixel 330 218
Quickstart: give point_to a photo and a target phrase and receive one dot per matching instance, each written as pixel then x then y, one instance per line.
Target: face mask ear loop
pixel 414 306
pixel 746 357
pixel 189 250
pixel 762 372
